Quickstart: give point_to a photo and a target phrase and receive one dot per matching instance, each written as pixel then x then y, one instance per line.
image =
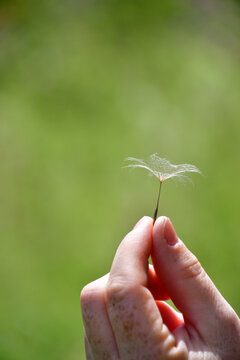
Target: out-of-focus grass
pixel 84 85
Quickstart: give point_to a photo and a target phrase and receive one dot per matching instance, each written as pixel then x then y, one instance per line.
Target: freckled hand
pixel 125 316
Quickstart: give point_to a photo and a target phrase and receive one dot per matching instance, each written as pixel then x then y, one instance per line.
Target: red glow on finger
pixel 169 316
pixel 156 287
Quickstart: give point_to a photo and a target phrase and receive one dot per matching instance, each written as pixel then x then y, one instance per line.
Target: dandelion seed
pixel 163 170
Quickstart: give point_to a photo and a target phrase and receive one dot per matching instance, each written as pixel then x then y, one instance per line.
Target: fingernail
pixel 140 222
pixel 170 234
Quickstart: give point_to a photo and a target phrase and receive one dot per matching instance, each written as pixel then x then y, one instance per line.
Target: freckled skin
pixel 125 319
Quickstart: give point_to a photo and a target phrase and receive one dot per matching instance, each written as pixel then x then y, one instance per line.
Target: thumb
pixel 185 281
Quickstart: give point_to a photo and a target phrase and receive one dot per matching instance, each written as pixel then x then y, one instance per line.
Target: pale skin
pixel 125 315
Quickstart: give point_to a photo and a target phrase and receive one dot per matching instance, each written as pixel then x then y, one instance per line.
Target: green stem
pixel 156 209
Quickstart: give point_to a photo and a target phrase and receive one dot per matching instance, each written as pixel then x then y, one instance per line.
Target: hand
pixel 126 318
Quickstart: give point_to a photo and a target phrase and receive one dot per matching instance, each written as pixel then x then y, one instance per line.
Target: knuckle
pixel 114 291
pixel 84 293
pixel 89 293
pixel 117 290
pixel 179 354
pixel 192 268
pixel 94 290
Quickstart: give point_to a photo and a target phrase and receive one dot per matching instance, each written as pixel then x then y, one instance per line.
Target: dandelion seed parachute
pixel 163 170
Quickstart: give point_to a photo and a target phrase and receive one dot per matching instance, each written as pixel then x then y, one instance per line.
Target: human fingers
pixel 156 286
pixel 170 317
pixel 94 310
pixel 188 285
pixel 101 343
pixel 134 315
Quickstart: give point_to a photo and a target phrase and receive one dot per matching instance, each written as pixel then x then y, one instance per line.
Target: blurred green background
pixel 83 85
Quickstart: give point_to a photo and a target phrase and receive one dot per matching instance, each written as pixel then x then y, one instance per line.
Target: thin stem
pixel 156 209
